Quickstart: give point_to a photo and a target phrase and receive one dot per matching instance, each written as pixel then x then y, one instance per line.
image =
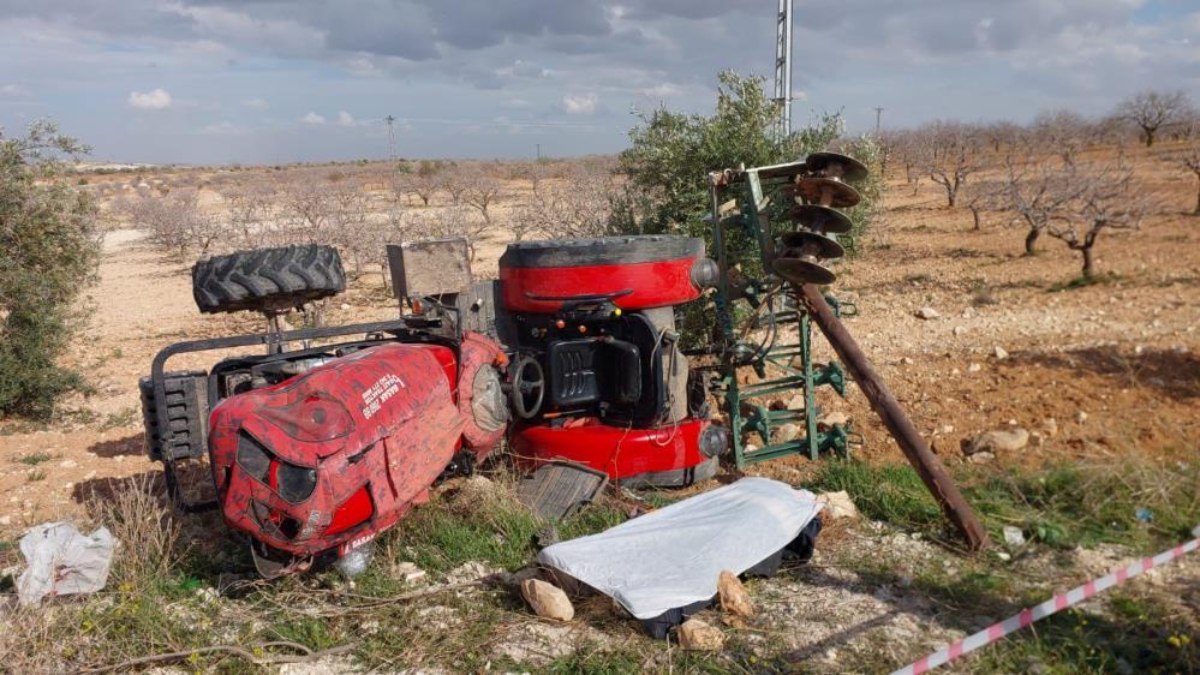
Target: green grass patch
pixel 35 458
pixel 1080 641
pixel 437 537
pixel 1063 506
pixel 1085 281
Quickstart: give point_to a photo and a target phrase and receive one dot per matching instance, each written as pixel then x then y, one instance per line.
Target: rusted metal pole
pixel 885 405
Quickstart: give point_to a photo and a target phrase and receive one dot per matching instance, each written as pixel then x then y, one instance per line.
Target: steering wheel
pixel 528 387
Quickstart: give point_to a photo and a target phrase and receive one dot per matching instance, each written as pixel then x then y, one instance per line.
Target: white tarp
pixel 62 561
pixel 672 557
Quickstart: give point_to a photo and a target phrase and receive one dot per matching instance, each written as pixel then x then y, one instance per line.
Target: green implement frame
pixel 782 360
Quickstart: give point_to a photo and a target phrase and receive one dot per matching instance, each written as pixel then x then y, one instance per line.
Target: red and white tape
pixel 1056 604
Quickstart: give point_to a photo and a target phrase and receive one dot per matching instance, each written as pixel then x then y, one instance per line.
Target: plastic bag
pixel 62 561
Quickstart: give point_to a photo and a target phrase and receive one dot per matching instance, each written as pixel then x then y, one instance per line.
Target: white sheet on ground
pixel 672 557
pixel 62 561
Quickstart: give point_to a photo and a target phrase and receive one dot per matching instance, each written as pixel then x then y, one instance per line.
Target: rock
pixel 906 361
pixel 832 418
pixel 1081 417
pixel 974 368
pixel 1036 439
pixel 1000 353
pixel 471 571
pixel 345 307
pixel 787 432
pixel 547 600
pixel 981 458
pixel 1050 427
pixel 926 313
pixel 797 402
pixel 5 520
pixel 1013 536
pixel 408 572
pixel 959 330
pixel 734 597
pixel 695 635
pixel 838 505
pixel 68 464
pixel 1002 556
pixel 999 440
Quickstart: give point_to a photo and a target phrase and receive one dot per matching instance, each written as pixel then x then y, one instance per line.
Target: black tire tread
pixel 267 279
pixel 187 413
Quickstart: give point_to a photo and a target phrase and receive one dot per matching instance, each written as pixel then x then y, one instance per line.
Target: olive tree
pixel 49 252
pixel 671 153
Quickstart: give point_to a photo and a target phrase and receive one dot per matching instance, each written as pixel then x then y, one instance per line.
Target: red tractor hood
pixel 339 452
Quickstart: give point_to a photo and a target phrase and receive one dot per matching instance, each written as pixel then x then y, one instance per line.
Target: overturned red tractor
pixel 598 377
pixel 331 436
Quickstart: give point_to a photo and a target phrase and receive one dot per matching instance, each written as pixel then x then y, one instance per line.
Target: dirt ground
pixel 1114 365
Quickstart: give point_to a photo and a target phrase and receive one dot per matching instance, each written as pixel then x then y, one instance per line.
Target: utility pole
pixel 878 117
pixel 539 152
pixel 783 67
pixel 391 121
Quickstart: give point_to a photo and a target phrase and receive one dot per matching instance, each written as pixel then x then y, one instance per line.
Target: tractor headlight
pixel 294 483
pixel 714 440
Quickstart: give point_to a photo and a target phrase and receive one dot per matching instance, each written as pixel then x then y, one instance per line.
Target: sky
pixel 275 81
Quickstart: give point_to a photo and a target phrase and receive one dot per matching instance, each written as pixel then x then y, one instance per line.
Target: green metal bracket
pixel 782 363
pixel 832 375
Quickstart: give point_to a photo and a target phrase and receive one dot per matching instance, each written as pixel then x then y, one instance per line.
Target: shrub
pixel 49 252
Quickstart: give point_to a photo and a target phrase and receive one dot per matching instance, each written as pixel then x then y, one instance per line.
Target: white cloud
pixel 345 119
pixel 12 90
pixel 256 103
pixel 312 118
pixel 579 104
pixel 158 99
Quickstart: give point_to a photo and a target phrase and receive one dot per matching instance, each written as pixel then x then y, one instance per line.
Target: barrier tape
pixel 1056 604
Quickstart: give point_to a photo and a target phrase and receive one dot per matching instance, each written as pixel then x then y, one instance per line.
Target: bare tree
pixel 1060 131
pixel 174 222
pixel 1188 158
pixel 981 196
pixel 455 183
pixel 451 221
pixel 1154 110
pixel 949 152
pixel 577 204
pixel 1107 199
pixel 251 208
pixel 309 208
pixel 1037 192
pixel 1075 203
pixel 425 181
pixel 480 191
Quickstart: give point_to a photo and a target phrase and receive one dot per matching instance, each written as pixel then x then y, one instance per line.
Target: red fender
pixel 478 361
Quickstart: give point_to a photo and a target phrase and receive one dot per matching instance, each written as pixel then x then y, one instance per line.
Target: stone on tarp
pixel 62 561
pixel 695 635
pixel 735 599
pixel 547 600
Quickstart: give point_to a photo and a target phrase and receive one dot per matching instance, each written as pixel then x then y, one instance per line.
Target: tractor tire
pixel 187 416
pixel 267 279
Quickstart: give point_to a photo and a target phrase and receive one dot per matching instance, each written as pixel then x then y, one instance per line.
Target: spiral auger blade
pixel 820 190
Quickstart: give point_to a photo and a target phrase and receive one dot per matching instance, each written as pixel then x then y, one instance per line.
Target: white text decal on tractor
pixel 381 391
